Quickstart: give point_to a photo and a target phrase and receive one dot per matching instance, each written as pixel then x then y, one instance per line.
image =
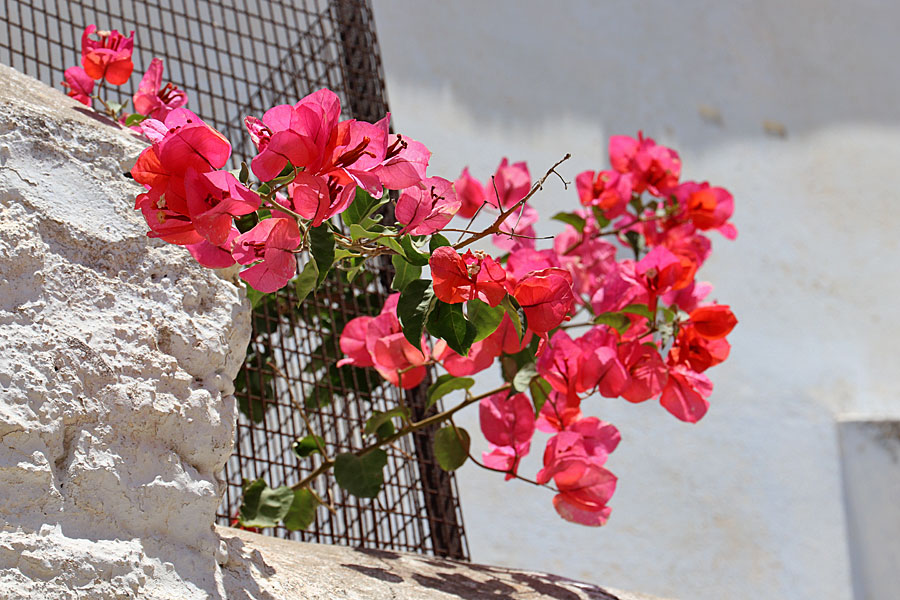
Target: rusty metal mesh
pixel 240 58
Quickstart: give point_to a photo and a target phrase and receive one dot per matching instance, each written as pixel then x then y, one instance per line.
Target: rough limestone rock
pixel 117 356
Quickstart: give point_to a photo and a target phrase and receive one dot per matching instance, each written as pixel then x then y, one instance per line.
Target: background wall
pixel 795 108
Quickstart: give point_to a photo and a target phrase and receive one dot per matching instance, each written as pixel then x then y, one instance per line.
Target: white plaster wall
pixel 748 503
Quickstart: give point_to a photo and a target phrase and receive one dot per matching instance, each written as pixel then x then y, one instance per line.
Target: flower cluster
pixel 611 308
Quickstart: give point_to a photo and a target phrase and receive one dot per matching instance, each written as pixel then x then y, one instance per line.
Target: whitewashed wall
pixel 748 503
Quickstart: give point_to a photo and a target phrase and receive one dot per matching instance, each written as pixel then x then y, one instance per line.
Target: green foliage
pixel 321 246
pixel 540 390
pixel 263 506
pixel 308 445
pixel 451 447
pixel 412 253
pixel 570 219
pixel 362 476
pixel 379 419
pixel 448 323
pixel 485 318
pixel 437 241
pixel 404 272
pixel 307 281
pixel 445 384
pixel 415 303
pixel 516 315
pixel 523 377
pixel 302 511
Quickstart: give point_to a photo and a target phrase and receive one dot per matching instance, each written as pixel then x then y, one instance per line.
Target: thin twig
pixel 495 227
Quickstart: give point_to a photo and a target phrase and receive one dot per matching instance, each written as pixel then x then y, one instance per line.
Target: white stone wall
pixel 795 107
pixel 117 356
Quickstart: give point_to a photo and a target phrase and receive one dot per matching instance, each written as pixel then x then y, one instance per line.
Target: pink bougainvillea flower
pixel 559 412
pixel 188 142
pixel 685 394
pixel 599 365
pixel 405 159
pixel 505 458
pixel 599 437
pixel 559 363
pixel 172 226
pixel 481 356
pixel 506 338
pixel 512 182
pixel 78 85
pixel 319 198
pixel 215 256
pixel 610 191
pixel 655 168
pixel 524 261
pixel 714 321
pixel 647 373
pixel 379 342
pixel 353 343
pixel 583 499
pixel 546 297
pixel 697 352
pixel 462 278
pixel 471 194
pixel 688 298
pixel 507 419
pixel 155 100
pixel 428 209
pixel 661 270
pixel 621 286
pixel 298 134
pixel 585 486
pixel 214 199
pixel 707 207
pixel 109 57
pixel 272 241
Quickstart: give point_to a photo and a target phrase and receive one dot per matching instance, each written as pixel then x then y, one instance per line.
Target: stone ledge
pixel 281 569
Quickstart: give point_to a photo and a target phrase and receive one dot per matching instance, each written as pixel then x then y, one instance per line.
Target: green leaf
pixel 255 296
pixel 376 233
pixel 321 243
pixel 244 175
pixel 115 106
pixel 134 119
pixel 516 315
pixel 444 385
pixel 263 506
pixel 524 376
pixel 483 317
pixel 412 309
pixel 302 512
pixel 380 418
pixel 308 445
pixel 448 323
pixel 359 209
pixel 386 430
pixel 451 447
pixel 540 390
pixel 404 273
pixel 362 476
pixel 412 253
pixel 307 281
pixel 616 320
pixel 570 219
pixel 437 241
pixel 601 219
pixel 638 309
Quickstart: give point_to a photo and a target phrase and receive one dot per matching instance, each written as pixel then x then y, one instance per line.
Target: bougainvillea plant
pixel 611 308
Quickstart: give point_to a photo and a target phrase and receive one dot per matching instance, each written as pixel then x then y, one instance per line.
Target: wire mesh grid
pixel 240 58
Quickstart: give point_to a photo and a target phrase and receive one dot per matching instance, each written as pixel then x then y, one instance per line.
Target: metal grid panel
pixel 234 59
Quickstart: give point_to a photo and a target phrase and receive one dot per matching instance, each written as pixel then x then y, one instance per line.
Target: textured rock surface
pixel 117 354
pixel 271 568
